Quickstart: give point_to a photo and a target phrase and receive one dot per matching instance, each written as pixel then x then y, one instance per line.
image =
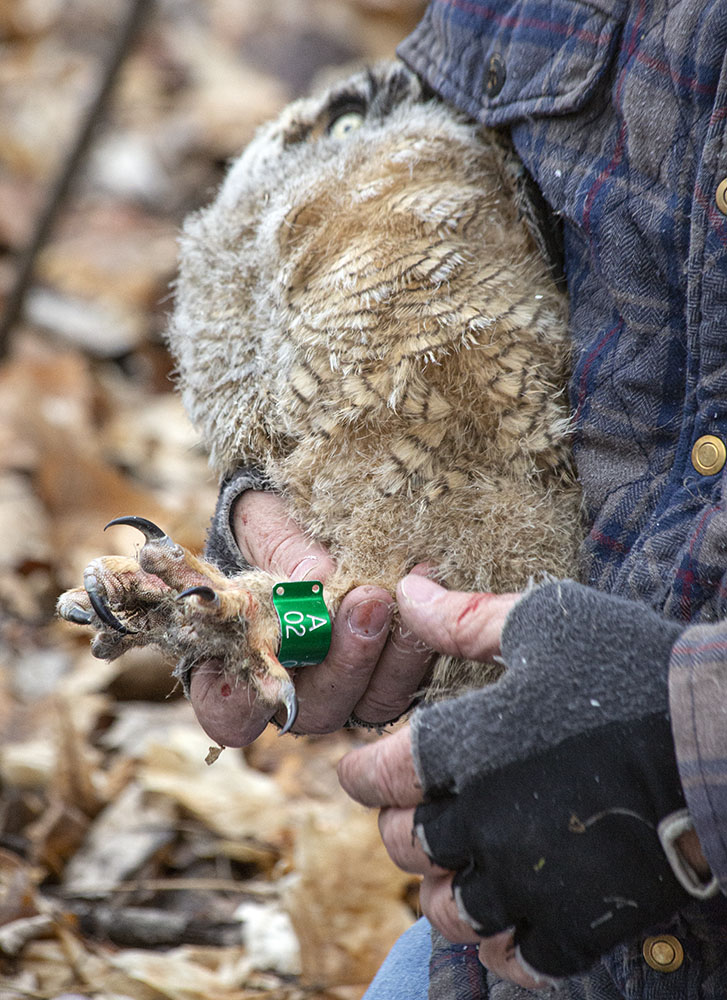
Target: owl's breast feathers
pixel 371 292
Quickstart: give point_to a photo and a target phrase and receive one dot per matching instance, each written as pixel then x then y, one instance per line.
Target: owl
pixel 363 317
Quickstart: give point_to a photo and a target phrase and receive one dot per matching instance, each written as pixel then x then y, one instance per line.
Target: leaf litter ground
pixel 128 866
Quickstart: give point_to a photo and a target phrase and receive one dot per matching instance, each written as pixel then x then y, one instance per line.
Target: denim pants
pixel 405 972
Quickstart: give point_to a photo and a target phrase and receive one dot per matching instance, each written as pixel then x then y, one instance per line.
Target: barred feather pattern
pixel 362 315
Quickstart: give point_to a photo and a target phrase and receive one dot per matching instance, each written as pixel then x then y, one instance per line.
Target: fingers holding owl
pixel 371 673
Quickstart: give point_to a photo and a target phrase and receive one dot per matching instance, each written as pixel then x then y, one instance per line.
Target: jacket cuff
pixel 670 829
pixel 604 656
pixel 697 694
pixel 221 547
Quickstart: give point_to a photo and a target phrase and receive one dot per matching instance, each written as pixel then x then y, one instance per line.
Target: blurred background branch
pixel 59 189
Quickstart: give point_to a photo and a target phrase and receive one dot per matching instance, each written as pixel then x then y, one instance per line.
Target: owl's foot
pixel 171 599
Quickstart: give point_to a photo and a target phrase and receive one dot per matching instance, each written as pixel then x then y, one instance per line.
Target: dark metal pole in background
pixel 58 191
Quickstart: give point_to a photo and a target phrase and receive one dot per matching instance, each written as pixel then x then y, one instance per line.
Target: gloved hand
pixel 548 791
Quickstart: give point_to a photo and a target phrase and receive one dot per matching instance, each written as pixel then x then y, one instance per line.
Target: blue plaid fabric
pixel 619 112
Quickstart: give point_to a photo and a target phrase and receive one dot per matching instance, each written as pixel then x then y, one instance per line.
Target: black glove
pixel 564 846
pixel 549 808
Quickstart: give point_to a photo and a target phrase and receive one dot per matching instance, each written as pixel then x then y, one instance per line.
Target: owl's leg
pixel 172 599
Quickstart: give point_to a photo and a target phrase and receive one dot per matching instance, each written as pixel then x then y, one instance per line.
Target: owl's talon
pixel 206 594
pixel 110 645
pixel 100 605
pixel 78 615
pixel 289 701
pixel 151 531
pixel 168 598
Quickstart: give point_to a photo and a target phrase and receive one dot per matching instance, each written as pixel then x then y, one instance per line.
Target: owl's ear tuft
pixel 394 85
pixel 296 132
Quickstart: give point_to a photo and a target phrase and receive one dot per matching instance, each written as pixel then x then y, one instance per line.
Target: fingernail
pixel 419 589
pixel 307 565
pixel 369 618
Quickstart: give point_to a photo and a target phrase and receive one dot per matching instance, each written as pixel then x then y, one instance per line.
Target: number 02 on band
pixel 305 625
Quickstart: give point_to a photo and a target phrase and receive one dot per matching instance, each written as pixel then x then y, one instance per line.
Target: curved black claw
pixel 78 615
pixel 148 529
pixel 100 605
pixel 290 701
pixel 207 594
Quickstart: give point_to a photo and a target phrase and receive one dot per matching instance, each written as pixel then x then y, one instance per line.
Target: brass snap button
pixel 495 75
pixel 721 196
pixel 663 953
pixel 709 455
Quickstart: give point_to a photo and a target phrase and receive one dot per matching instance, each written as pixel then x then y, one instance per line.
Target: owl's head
pixel 346 147
pixel 327 130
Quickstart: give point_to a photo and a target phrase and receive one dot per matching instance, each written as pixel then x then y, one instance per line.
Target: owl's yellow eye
pixel 349 121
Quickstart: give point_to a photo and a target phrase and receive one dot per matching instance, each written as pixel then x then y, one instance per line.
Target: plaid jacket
pixel 618 109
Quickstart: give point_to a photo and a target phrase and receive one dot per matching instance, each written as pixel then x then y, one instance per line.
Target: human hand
pixel 369 671
pixel 556 823
pixel 383 775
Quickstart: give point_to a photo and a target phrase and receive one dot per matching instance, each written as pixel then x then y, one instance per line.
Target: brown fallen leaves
pixel 132 859
pixel 128 866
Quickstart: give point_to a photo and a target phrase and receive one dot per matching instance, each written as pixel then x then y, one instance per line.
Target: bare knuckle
pixel 379 710
pixel 279 550
pixel 350 664
pixel 437 905
pixel 391 835
pixel 384 773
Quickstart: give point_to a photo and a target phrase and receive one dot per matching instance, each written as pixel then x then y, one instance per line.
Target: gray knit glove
pixel 578 659
pixel 550 791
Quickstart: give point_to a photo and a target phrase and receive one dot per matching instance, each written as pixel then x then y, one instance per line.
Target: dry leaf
pixel 56 835
pixel 76 763
pixel 269 938
pixel 30 764
pixel 230 798
pixel 19 18
pixel 213 754
pixel 101 328
pixel 130 831
pixel 345 901
pixel 15 935
pixel 139 724
pixel 180 975
pixel 17 888
pixel 111 252
pixel 212 108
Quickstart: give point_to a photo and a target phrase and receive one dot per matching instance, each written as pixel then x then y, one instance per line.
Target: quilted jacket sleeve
pixel 698 697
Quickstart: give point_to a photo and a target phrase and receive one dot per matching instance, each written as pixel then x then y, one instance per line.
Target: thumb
pixel 466 625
